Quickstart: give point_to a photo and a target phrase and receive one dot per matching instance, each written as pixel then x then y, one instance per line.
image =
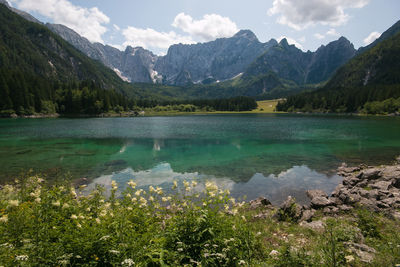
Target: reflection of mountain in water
pixel 294 181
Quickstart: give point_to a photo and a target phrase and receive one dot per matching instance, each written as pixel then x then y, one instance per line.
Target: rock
pixel 368 203
pixel 320 202
pixel 381 185
pixel 352 181
pixel 382 205
pixel 370 174
pixel 307 215
pixel 314 225
pixel 335 201
pixel 330 210
pixel 289 211
pixel 259 202
pixel 316 193
pixel 396 182
pixel 398 159
pixel 391 172
pixel 261 216
pixel 364 252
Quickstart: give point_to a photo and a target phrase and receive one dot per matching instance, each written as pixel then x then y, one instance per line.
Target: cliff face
pixel 217 60
pixel 290 63
pixel 133 64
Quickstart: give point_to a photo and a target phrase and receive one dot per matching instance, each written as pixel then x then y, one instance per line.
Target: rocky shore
pixel 376 188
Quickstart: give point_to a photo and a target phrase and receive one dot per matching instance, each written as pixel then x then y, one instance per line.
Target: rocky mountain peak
pixel 284 42
pixel 246 34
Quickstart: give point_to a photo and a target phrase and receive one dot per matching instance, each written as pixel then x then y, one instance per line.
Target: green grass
pixel 195 225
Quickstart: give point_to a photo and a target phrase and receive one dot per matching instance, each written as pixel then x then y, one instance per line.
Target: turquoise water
pixel 253 155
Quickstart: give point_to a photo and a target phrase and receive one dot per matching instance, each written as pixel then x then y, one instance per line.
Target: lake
pixel 272 155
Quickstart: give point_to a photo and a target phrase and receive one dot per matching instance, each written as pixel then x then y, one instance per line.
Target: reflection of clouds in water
pixel 161 175
pixel 294 181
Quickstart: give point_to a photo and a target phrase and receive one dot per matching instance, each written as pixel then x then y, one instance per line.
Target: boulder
pixel 320 202
pixel 370 174
pixel 314 225
pixel 307 215
pixel 381 185
pixel 259 202
pixel 316 193
pixel 364 252
pixel 289 211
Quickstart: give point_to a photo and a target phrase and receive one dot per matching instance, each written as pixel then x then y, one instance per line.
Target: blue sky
pixel 157 24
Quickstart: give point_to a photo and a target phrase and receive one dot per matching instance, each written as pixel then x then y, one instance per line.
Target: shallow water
pixel 253 155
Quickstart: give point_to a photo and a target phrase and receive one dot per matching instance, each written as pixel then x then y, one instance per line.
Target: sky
pixel 157 24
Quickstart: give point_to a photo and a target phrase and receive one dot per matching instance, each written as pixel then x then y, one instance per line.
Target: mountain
pixel 393 30
pixel 41 72
pixel 23 14
pixel 133 64
pixel 373 75
pixel 290 63
pixel 217 60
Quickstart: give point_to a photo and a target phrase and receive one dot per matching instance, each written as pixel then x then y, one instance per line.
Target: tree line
pixel 345 100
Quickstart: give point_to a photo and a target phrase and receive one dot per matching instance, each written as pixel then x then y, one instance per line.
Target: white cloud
pixel 210 27
pixel 332 32
pixel 371 37
pixel 291 41
pixel 302 14
pixel 88 22
pixel 150 38
pixel 319 36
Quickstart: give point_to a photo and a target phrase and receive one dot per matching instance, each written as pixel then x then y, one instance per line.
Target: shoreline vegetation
pixel 264 106
pixel 383 108
pixel 201 225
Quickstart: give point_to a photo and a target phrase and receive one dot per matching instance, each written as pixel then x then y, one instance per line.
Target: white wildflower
pixel 98 221
pixel 349 258
pixel 159 190
pixel 74 217
pixel 4 218
pixel 56 203
pixel 151 189
pixel 114 185
pixel 132 184
pixel 14 203
pixel 104 237
pixel 88 209
pixel 73 193
pixel 113 251
pixel 134 199
pixel 151 198
pixel 242 262
pixel 194 183
pixel 22 258
pixel 65 206
pixel 79 225
pixel 274 253
pixel 175 185
pixel 180 249
pixel 138 192
pixel 128 262
pixel 38 199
